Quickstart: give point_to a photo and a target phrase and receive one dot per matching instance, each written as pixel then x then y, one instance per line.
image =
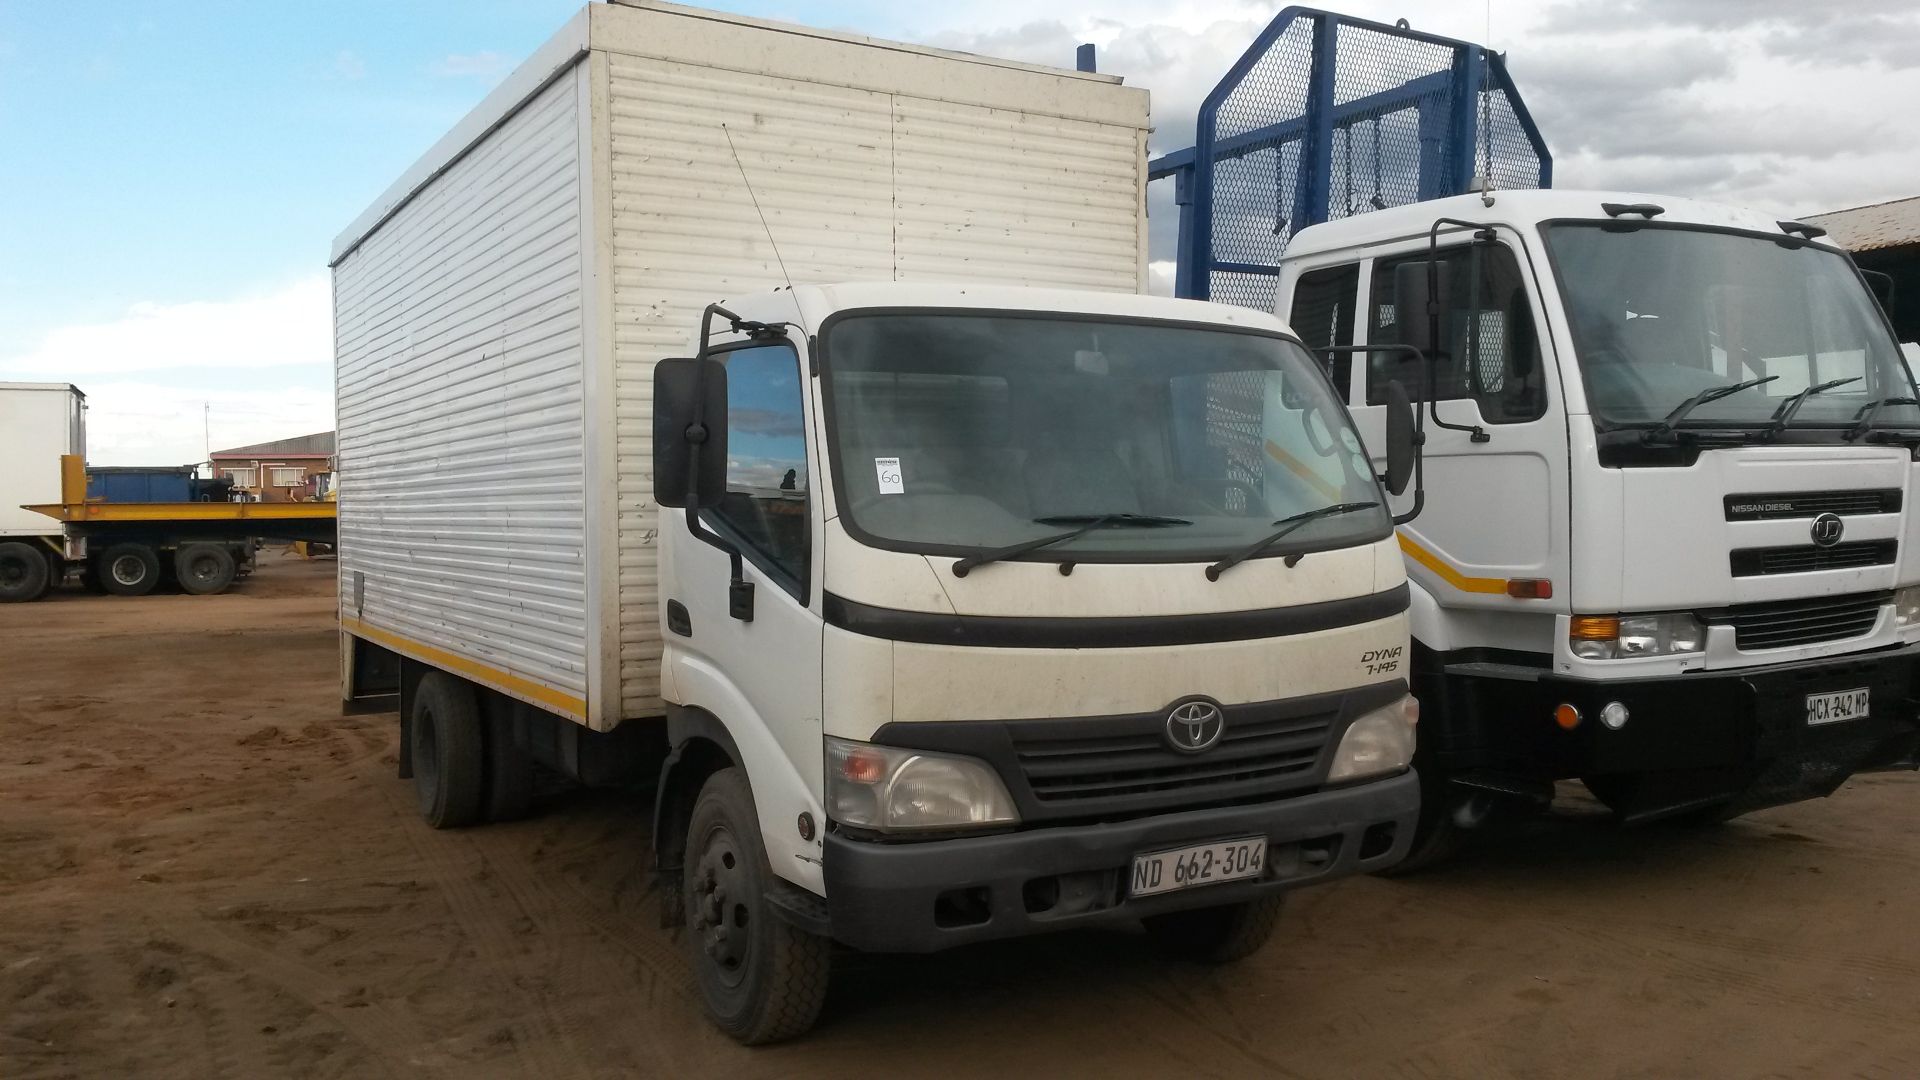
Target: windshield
pixel 958 433
pixel 1662 314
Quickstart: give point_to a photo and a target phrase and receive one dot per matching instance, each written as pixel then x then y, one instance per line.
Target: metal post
pixel 1465 141
pixel 1313 186
pixel 1183 273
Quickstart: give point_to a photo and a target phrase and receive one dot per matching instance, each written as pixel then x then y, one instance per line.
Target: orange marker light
pixel 1530 588
pixel 1567 717
pixel 1595 628
pixel 864 768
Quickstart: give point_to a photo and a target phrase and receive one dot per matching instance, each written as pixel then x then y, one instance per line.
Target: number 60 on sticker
pixel 888 469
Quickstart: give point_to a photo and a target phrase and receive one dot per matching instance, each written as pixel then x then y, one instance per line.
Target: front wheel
pixel 762 979
pixel 1216 935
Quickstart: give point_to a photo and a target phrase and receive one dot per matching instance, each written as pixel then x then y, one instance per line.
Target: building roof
pixel 317 445
pixel 1873 228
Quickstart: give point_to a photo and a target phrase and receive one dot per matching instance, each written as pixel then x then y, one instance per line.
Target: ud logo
pixel 1193 726
pixel 1827 529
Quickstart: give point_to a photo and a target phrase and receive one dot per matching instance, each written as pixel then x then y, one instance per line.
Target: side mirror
pixel 1881 284
pixel 689 431
pixel 1414 283
pixel 1403 440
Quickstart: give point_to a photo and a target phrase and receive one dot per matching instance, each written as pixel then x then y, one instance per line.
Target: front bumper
pixel 932 895
pixel 1739 737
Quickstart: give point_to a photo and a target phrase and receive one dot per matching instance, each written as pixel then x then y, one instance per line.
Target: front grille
pixel 1801 622
pixel 1756 562
pixel 1807 504
pixel 1139 763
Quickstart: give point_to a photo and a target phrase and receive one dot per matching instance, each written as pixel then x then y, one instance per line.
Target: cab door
pixel 1495 431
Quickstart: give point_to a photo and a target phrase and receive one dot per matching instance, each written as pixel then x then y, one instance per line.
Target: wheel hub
pixel 127 570
pixel 717 906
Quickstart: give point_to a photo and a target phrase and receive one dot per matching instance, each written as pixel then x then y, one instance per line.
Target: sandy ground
pixel 206 871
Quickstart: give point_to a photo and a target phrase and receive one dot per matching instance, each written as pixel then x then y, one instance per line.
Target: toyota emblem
pixel 1193 726
pixel 1827 529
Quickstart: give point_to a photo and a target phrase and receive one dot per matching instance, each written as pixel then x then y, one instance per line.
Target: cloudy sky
pixel 172 175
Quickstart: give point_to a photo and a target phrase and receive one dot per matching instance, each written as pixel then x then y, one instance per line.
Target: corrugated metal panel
pixel 1873 228
pixel 1012 198
pixel 686 234
pixel 458 338
pixel 855 185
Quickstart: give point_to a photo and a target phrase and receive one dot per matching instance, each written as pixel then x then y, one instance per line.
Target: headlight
pixel 1906 607
pixel 1611 637
pixel 885 787
pixel 1379 742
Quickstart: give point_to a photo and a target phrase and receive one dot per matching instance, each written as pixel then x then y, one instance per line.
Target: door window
pixel 1491 352
pixel 765 505
pixel 1323 306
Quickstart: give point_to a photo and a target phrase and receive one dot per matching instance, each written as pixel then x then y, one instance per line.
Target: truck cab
pixel 1668 546
pixel 993 611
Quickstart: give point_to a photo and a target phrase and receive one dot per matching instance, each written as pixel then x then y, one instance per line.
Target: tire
pixel 762 979
pixel 1216 935
pixel 1437 837
pixel 446 743
pixel 509 771
pixel 203 569
pixel 128 569
pixel 23 573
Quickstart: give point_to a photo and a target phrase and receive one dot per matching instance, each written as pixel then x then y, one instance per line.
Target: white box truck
pixel 39 424
pixel 938 612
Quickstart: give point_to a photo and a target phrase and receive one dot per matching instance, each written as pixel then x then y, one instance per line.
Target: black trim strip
pixel 1121 632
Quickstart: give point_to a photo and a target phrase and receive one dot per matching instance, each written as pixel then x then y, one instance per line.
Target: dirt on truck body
pixel 205 870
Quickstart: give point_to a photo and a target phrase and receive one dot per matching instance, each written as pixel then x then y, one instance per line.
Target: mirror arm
pixel 1419 423
pixel 1483 233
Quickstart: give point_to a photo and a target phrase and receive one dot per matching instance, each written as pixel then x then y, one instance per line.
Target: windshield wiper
pixel 1792 404
pixel 1288 525
pixel 1086 522
pixel 1664 429
pixel 1863 420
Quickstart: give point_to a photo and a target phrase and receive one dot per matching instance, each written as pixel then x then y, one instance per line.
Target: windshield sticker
pixel 889 470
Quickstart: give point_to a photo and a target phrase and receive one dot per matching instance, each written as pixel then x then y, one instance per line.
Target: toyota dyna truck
pixel 1668 539
pixel 937 612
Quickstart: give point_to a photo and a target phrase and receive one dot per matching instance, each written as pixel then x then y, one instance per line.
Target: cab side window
pixel 1490 351
pixel 765 506
pixel 1323 309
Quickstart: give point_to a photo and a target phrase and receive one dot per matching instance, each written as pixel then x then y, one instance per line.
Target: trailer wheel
pixel 1216 935
pixel 128 569
pixel 24 573
pixel 509 770
pixel 203 569
pixel 762 978
pixel 447 751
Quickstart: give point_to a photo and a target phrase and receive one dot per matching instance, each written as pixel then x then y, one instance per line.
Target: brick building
pixel 286 470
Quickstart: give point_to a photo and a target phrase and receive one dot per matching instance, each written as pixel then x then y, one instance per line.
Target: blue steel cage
pixel 1328 116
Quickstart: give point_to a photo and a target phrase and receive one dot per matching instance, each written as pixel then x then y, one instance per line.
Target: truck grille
pixel 1756 562
pixel 1806 504
pixel 1801 622
pixel 1139 763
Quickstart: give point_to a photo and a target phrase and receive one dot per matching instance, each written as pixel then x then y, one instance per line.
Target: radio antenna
pixel 764 227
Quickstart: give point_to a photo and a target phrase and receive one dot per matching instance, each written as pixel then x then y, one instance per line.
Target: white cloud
pixel 151 399
pixel 147 423
pixel 291 325
pixel 481 65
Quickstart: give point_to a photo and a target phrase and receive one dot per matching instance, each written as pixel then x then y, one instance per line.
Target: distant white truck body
pixel 976 610
pixel 39 422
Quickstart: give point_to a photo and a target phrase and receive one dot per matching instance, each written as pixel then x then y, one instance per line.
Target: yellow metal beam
pixel 187 511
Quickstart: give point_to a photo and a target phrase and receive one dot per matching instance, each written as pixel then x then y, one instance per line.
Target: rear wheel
pixel 1216 935
pixel 445 744
pixel 762 978
pixel 24 573
pixel 203 569
pixel 128 569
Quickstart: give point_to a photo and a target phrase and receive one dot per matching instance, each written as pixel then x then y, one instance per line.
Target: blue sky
pixel 173 173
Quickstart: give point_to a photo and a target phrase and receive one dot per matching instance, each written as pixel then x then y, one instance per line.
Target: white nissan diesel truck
pixel 1669 544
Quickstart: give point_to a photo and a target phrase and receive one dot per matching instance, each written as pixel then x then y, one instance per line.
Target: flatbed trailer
pixel 127 548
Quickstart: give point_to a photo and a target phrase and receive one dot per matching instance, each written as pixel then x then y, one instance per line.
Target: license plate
pixel 1204 864
pixel 1834 708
